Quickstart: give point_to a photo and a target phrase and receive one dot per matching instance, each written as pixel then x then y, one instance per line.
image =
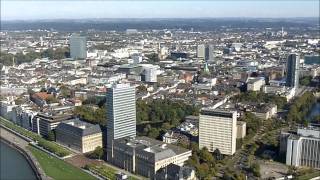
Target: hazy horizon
pixel 78 10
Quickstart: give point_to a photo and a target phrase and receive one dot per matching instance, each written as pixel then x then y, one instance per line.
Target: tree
pixel 305 81
pixel 194 147
pixel 52 99
pixel 153 58
pixel 205 155
pixel 153 133
pixel 43 89
pixel 65 91
pixel 51 135
pixel 97 153
pixel 166 126
pixel 255 168
pixel 203 170
pixel 142 89
pixel 89 114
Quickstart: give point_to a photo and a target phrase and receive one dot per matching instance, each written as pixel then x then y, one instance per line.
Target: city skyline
pixel 36 10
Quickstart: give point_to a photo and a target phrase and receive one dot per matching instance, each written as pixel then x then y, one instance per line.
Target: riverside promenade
pixel 21 145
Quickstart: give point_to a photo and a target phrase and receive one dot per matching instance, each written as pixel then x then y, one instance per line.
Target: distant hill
pixel 203 24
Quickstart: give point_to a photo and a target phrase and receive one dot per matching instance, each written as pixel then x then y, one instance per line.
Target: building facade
pixel 255 84
pixel 78 46
pixel 218 130
pixel 78 135
pixel 241 129
pixel 145 156
pixel 293 64
pixel 205 51
pixel 303 148
pixel 121 114
pixel 42 123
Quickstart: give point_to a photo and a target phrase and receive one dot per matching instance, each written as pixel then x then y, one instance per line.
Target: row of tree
pixel 300 108
pixel 19 58
pixel 261 97
pixel 253 123
pixel 91 114
pixel 156 117
pixel 164 110
pixel 202 161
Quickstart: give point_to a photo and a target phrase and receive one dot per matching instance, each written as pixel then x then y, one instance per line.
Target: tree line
pixel 19 58
pixel 155 117
pixel 261 97
pixel 300 108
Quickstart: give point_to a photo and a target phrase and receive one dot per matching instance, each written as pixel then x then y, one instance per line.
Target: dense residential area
pixel 224 102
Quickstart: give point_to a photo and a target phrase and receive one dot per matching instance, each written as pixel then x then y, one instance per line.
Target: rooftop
pixel 79 128
pixel 159 149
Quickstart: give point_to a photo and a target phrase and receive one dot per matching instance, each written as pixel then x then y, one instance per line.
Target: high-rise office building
pixel 121 114
pixel 210 52
pixel 218 130
pixel 151 74
pixel 78 46
pixel 205 51
pixel 293 70
pixel 201 51
pixel 302 147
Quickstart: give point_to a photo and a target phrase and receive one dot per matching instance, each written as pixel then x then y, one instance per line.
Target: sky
pixel 77 9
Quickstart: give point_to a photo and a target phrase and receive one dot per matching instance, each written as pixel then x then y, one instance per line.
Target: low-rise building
pixel 175 172
pixel 23 116
pixel 265 111
pixel 78 135
pixel 170 137
pixel 145 156
pixel 255 84
pixel 42 123
pixel 6 109
pixel 241 129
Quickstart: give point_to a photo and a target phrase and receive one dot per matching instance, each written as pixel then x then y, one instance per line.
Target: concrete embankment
pixel 20 145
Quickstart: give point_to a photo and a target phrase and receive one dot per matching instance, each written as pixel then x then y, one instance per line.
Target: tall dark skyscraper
pixel 293 70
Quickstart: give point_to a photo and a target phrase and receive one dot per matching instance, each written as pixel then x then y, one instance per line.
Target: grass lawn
pixel 309 176
pixel 105 171
pixel 58 169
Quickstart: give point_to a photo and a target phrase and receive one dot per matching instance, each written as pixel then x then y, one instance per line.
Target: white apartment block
pixel 218 130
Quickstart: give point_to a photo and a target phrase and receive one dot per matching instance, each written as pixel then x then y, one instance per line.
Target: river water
pixel 315 111
pixel 13 165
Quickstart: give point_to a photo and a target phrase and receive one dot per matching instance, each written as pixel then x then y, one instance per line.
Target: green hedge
pixel 48 145
pixel 105 171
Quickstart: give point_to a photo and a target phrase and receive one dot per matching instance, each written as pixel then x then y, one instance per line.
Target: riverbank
pixel 52 166
pixel 20 145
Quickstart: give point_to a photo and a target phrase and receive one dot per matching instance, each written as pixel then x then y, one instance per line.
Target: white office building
pixel 151 74
pixel 218 130
pixel 303 148
pixel 205 51
pixel 201 51
pixel 121 114
pixel 78 46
